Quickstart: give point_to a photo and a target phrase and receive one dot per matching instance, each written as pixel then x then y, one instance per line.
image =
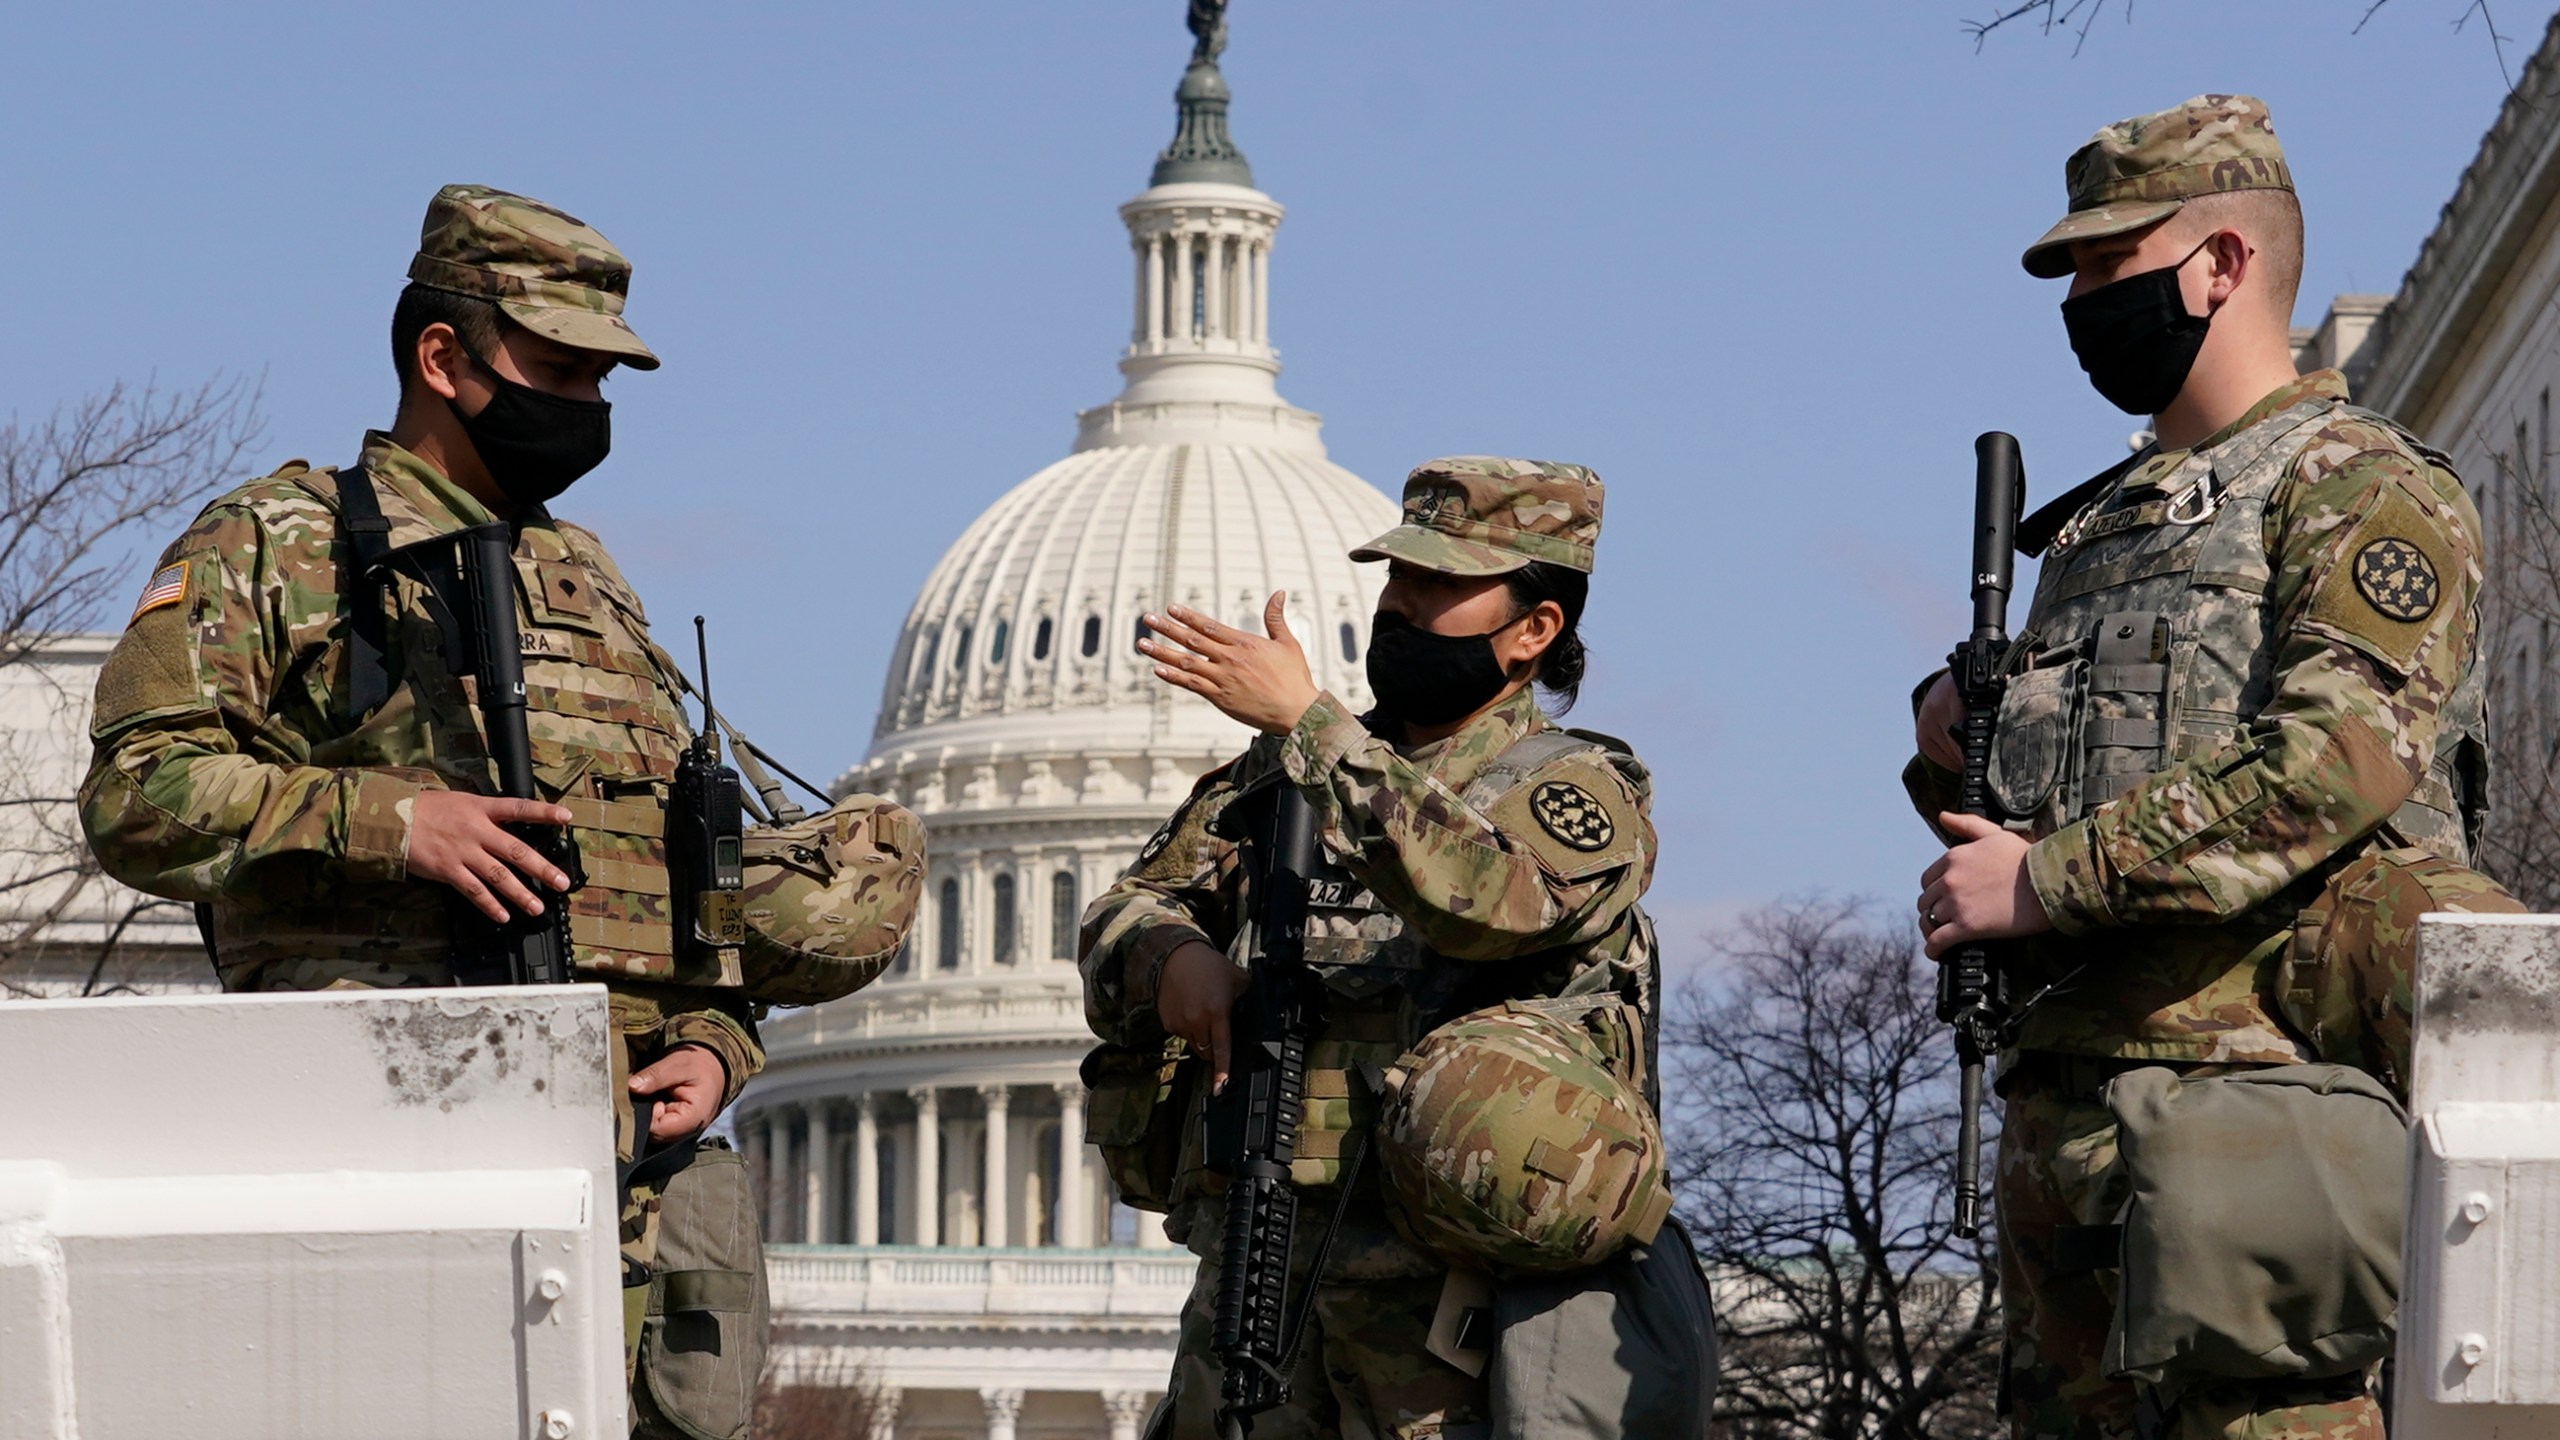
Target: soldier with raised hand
pixel 1488 985
pixel 2240 748
pixel 283 737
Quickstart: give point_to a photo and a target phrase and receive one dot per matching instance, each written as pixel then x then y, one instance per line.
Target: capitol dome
pixel 936 1217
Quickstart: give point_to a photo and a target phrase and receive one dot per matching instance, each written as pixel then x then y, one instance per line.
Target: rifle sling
pixel 366 582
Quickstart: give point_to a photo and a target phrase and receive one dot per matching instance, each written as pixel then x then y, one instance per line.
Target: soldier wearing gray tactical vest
pixel 1489 982
pixel 2240 747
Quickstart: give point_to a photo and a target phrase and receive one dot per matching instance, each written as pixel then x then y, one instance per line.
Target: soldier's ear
pixel 1529 637
pixel 438 358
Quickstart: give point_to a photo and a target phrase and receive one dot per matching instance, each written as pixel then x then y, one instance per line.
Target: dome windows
pixel 1092 636
pixel 1007 926
pixel 946 943
pixel 1063 915
pixel 995 643
pixel 1350 643
pixel 1040 640
pixel 960 653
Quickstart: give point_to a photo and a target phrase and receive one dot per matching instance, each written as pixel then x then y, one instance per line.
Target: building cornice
pixel 2504 195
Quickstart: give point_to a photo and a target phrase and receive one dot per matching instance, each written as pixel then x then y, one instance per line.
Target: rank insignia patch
pixel 2396 578
pixel 1569 813
pixel 168 586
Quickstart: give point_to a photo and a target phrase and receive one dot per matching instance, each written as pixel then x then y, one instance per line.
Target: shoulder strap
pixel 2037 531
pixel 1527 755
pixel 368 543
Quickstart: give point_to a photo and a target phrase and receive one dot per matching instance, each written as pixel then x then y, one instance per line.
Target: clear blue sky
pixel 1757 264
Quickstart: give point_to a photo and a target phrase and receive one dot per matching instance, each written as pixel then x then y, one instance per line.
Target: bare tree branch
pixel 2051 15
pixel 2519 625
pixel 80 493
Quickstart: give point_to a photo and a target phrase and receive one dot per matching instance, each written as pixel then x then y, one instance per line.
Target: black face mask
pixel 2136 339
pixel 536 445
pixel 1424 678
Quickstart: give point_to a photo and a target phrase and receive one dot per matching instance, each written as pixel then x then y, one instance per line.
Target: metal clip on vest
pixel 1972 990
pixel 2198 502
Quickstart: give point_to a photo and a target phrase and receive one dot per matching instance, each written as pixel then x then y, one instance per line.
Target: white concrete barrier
pixel 2479 1349
pixel 383 1214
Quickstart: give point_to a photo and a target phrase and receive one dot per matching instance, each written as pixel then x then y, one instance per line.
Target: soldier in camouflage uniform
pixel 330 836
pixel 2240 746
pixel 1485 856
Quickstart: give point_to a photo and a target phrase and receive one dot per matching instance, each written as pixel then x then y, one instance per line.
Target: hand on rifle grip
pixel 1196 998
pixel 459 839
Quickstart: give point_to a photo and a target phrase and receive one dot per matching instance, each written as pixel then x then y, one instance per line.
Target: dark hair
pixel 479 322
pixel 1560 668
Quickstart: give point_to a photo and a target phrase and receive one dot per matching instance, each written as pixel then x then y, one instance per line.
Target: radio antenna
pixel 702 658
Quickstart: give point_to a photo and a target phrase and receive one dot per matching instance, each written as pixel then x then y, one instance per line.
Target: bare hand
pixel 454 839
pixel 688 1082
pixel 1261 682
pixel 1979 889
pixel 1194 998
pixel 1940 721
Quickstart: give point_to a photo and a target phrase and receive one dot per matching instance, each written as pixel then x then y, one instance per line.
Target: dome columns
pixel 1019 1171
pixel 1204 269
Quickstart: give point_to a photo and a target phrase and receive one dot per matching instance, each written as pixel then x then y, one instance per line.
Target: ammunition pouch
pixel 704 1322
pixel 2345 981
pixel 2262 1237
pixel 1134 1103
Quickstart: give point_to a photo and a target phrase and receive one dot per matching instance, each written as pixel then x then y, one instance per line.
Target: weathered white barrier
pixel 341 1214
pixel 2480 1288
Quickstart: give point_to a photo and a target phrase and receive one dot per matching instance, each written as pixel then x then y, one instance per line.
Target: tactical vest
pixel 1386 989
pixel 606 731
pixel 2149 643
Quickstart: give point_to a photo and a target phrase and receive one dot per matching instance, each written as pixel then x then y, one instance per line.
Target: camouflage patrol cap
pixel 1486 515
pixel 1518 1138
pixel 828 898
pixel 546 270
pixel 2141 171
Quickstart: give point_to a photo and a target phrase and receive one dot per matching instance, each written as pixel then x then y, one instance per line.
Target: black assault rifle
pixel 1973 992
pixel 526 949
pixel 1252 1129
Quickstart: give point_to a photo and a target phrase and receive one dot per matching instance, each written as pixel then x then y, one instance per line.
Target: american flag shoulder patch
pixel 168 587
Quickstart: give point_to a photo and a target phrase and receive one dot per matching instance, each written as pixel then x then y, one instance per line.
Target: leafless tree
pixel 1813 1131
pixel 82 493
pixel 834 1400
pixel 2520 622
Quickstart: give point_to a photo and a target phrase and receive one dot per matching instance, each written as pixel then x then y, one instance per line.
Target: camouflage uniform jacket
pixel 2244 662
pixel 1454 899
pixel 227 768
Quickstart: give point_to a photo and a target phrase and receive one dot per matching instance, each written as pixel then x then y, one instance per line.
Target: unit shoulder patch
pixel 1575 817
pixel 2384 587
pixel 1572 814
pixel 2396 578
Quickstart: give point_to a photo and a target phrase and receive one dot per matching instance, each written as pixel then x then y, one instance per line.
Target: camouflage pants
pixel 2057 1169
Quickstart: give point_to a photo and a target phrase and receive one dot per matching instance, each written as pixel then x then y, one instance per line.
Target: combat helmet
pixel 1517 1138
pixel 827 899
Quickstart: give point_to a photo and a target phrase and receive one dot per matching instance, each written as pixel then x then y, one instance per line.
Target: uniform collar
pixel 2318 385
pixel 419 500
pixel 1484 737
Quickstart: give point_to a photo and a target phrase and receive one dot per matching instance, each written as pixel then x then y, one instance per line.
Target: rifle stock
pixel 1973 991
